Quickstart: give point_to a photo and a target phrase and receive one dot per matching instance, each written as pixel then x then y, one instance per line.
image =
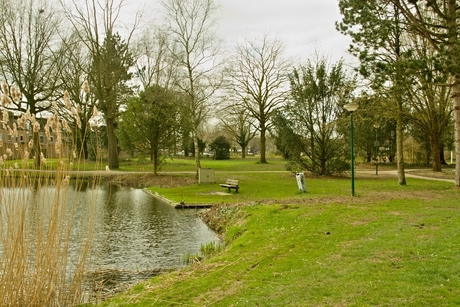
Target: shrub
pixel 221 148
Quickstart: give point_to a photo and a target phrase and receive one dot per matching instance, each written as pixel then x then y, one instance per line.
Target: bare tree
pixel 258 79
pixel 74 81
pixel 154 62
pixel 191 26
pixel 29 41
pixel 237 122
pixel 98 24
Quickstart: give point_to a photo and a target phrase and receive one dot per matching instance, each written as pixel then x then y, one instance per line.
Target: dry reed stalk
pixel 40 262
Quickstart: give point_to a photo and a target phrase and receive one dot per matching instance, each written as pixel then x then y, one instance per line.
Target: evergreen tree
pixel 377 32
pixel 108 78
pixel 221 148
pixel 307 128
pixel 148 124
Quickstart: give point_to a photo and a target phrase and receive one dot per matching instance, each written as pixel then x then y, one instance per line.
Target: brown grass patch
pixel 148 180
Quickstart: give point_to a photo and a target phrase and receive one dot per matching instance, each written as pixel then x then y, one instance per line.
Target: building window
pixel 42 139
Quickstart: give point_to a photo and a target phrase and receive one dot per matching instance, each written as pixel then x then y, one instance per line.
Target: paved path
pixel 409 175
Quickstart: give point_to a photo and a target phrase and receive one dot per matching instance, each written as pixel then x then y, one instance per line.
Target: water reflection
pixel 135 231
pixel 134 235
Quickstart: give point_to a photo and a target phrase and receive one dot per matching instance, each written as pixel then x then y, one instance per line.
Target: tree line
pixel 152 87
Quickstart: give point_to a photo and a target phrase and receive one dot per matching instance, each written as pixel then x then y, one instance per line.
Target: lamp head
pixel 351 107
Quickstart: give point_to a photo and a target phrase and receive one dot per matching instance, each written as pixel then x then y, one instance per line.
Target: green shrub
pixel 221 148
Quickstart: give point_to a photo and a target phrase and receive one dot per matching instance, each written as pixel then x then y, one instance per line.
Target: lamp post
pixel 351 107
pixel 376 144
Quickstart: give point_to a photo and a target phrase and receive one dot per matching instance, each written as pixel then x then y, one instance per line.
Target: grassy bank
pixel 389 246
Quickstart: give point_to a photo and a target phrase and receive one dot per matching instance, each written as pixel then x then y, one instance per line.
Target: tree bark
pixel 399 145
pixel 154 158
pixel 37 150
pixel 442 158
pixel 263 158
pixel 456 102
pixel 435 154
pixel 197 154
pixel 112 144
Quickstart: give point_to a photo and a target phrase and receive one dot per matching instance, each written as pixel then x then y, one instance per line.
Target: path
pixel 409 175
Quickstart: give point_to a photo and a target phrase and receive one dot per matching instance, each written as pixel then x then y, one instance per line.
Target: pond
pixel 136 232
pixel 134 235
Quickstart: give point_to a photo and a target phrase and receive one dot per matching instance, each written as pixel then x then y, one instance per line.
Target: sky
pixel 304 26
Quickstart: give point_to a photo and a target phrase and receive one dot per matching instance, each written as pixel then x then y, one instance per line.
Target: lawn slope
pixel 390 246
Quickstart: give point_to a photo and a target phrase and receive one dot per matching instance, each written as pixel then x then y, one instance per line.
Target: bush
pixel 221 148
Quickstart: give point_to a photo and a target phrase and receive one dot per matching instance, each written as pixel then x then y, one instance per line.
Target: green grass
pixel 390 245
pixel 235 163
pixel 282 185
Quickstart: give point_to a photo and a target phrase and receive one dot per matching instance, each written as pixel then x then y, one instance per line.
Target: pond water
pixel 134 233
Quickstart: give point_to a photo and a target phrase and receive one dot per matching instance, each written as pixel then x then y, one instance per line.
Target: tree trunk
pixel 456 103
pixel 37 150
pixel 197 154
pixel 84 142
pixel 442 158
pixel 85 149
pixel 154 158
pixel 243 152
pixel 435 154
pixel 263 159
pixel 112 144
pixel 399 145
pixel 452 26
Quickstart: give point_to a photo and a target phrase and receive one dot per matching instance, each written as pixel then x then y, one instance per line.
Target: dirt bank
pixel 148 180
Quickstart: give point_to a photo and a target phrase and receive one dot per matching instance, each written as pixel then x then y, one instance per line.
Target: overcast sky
pixel 303 25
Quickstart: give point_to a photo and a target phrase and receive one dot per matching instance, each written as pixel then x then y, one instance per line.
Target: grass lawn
pixel 388 246
pixel 181 164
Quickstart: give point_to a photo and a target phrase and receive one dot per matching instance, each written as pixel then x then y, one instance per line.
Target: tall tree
pixel 377 33
pixel 428 100
pixel 191 26
pixel 154 63
pixel 108 76
pixel 74 81
pixel 258 80
pixel 319 92
pixel 439 22
pixel 238 125
pixel 29 44
pixel 148 123
pixel 96 21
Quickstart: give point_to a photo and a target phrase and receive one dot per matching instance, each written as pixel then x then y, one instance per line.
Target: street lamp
pixel 351 107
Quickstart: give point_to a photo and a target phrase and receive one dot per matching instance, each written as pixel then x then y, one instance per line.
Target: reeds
pixel 42 259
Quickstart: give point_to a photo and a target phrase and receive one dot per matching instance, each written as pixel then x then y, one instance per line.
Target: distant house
pixel 17 144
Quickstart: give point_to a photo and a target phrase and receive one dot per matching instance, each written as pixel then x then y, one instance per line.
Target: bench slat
pixel 231 184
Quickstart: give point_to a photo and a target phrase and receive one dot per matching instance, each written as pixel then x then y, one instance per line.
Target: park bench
pixel 230 184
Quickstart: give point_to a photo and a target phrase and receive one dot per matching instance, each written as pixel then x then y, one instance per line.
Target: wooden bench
pixel 231 184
